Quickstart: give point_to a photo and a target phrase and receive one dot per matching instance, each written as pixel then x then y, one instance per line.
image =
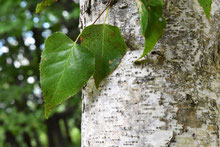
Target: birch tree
pixel 172 96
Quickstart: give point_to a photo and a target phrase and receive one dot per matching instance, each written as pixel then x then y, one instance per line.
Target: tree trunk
pixel 27 139
pixel 68 138
pixel 172 97
pixel 36 137
pixel 55 136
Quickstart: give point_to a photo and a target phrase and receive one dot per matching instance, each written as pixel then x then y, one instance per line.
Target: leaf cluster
pixel 66 67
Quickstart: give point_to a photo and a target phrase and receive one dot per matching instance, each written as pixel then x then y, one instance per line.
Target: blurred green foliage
pixel 22 35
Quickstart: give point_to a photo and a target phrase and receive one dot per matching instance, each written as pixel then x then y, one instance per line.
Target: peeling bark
pixel 172 97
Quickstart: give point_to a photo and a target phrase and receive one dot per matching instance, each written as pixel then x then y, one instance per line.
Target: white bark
pixel 172 98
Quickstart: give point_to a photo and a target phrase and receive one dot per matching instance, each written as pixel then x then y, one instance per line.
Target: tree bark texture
pixel 172 97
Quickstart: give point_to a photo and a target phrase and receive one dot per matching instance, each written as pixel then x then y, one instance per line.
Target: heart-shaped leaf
pixel 152 22
pixel 64 69
pixel 108 46
pixel 206 5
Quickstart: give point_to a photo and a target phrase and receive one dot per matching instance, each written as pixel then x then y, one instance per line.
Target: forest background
pixel 22 36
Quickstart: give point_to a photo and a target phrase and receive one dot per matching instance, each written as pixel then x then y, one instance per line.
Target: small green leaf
pixel 108 46
pixel 45 3
pixel 152 22
pixel 64 69
pixel 206 5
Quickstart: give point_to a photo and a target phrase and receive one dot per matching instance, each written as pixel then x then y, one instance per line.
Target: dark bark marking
pixel 88 10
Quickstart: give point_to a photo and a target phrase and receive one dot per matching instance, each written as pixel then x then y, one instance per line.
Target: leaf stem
pixel 106 14
pixel 103 11
pixel 107 7
pixel 77 38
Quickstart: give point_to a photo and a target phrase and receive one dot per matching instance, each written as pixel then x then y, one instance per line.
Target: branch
pixel 102 12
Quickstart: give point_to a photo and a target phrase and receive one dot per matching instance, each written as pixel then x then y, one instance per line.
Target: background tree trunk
pixel 171 98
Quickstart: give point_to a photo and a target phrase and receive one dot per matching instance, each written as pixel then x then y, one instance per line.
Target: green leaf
pixel 64 69
pixel 152 22
pixel 206 5
pixel 108 46
pixel 45 3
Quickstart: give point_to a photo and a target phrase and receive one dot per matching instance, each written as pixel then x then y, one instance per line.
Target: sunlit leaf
pixel 65 68
pixel 152 22
pixel 108 46
pixel 42 5
pixel 206 5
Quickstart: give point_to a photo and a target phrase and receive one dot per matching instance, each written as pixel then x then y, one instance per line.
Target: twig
pixel 103 12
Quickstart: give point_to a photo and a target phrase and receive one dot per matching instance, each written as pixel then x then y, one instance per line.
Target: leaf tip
pixel 47 113
pixel 48 109
pixel 97 84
